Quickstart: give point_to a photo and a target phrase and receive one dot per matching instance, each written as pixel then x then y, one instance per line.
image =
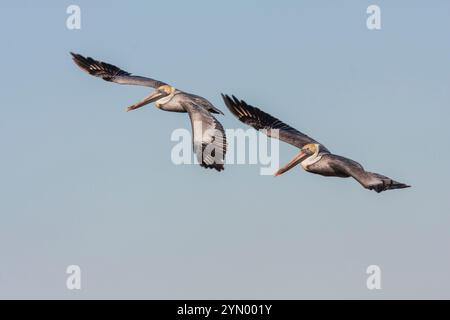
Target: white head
pixel 161 95
pixel 307 155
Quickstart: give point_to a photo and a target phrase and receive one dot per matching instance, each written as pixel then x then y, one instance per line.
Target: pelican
pixel 313 156
pixel 209 140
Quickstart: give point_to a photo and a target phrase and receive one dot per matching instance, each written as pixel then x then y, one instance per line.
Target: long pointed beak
pixel 295 161
pixel 156 95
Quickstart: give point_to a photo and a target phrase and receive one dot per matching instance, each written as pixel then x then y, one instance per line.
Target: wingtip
pixel 403 186
pixel 397 186
pixel 217 167
pixel 75 55
pixel 232 100
pixel 225 98
pixel 78 59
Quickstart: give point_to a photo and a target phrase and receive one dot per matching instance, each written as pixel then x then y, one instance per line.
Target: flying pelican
pixel 313 156
pixel 209 140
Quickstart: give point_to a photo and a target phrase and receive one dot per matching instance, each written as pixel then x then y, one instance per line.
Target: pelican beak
pixel 295 161
pixel 155 96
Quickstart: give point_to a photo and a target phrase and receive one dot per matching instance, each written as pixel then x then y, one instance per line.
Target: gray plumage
pixel 209 140
pixel 207 132
pixel 262 121
pixel 314 157
pixel 111 73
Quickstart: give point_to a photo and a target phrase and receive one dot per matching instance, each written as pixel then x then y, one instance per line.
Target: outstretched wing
pixel 263 121
pixel 369 180
pixel 111 73
pixel 209 140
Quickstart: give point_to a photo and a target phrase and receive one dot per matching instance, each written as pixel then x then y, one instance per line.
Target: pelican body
pixel 313 156
pixel 209 140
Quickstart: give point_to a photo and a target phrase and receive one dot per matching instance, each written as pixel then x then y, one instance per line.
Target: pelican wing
pixel 111 73
pixel 369 180
pixel 209 140
pixel 263 121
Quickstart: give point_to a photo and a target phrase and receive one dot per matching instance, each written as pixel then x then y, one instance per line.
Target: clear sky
pixel 83 182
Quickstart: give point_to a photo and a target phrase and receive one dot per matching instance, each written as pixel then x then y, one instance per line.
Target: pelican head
pixel 161 95
pixel 307 155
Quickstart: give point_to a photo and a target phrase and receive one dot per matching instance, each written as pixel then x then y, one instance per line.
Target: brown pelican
pixel 209 140
pixel 313 156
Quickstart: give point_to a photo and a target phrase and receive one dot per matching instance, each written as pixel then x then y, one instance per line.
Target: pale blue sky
pixel 83 182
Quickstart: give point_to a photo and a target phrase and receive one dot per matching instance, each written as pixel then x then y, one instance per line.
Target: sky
pixel 84 183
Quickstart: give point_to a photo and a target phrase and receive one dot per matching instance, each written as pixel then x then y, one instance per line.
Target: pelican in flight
pixel 313 156
pixel 209 140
